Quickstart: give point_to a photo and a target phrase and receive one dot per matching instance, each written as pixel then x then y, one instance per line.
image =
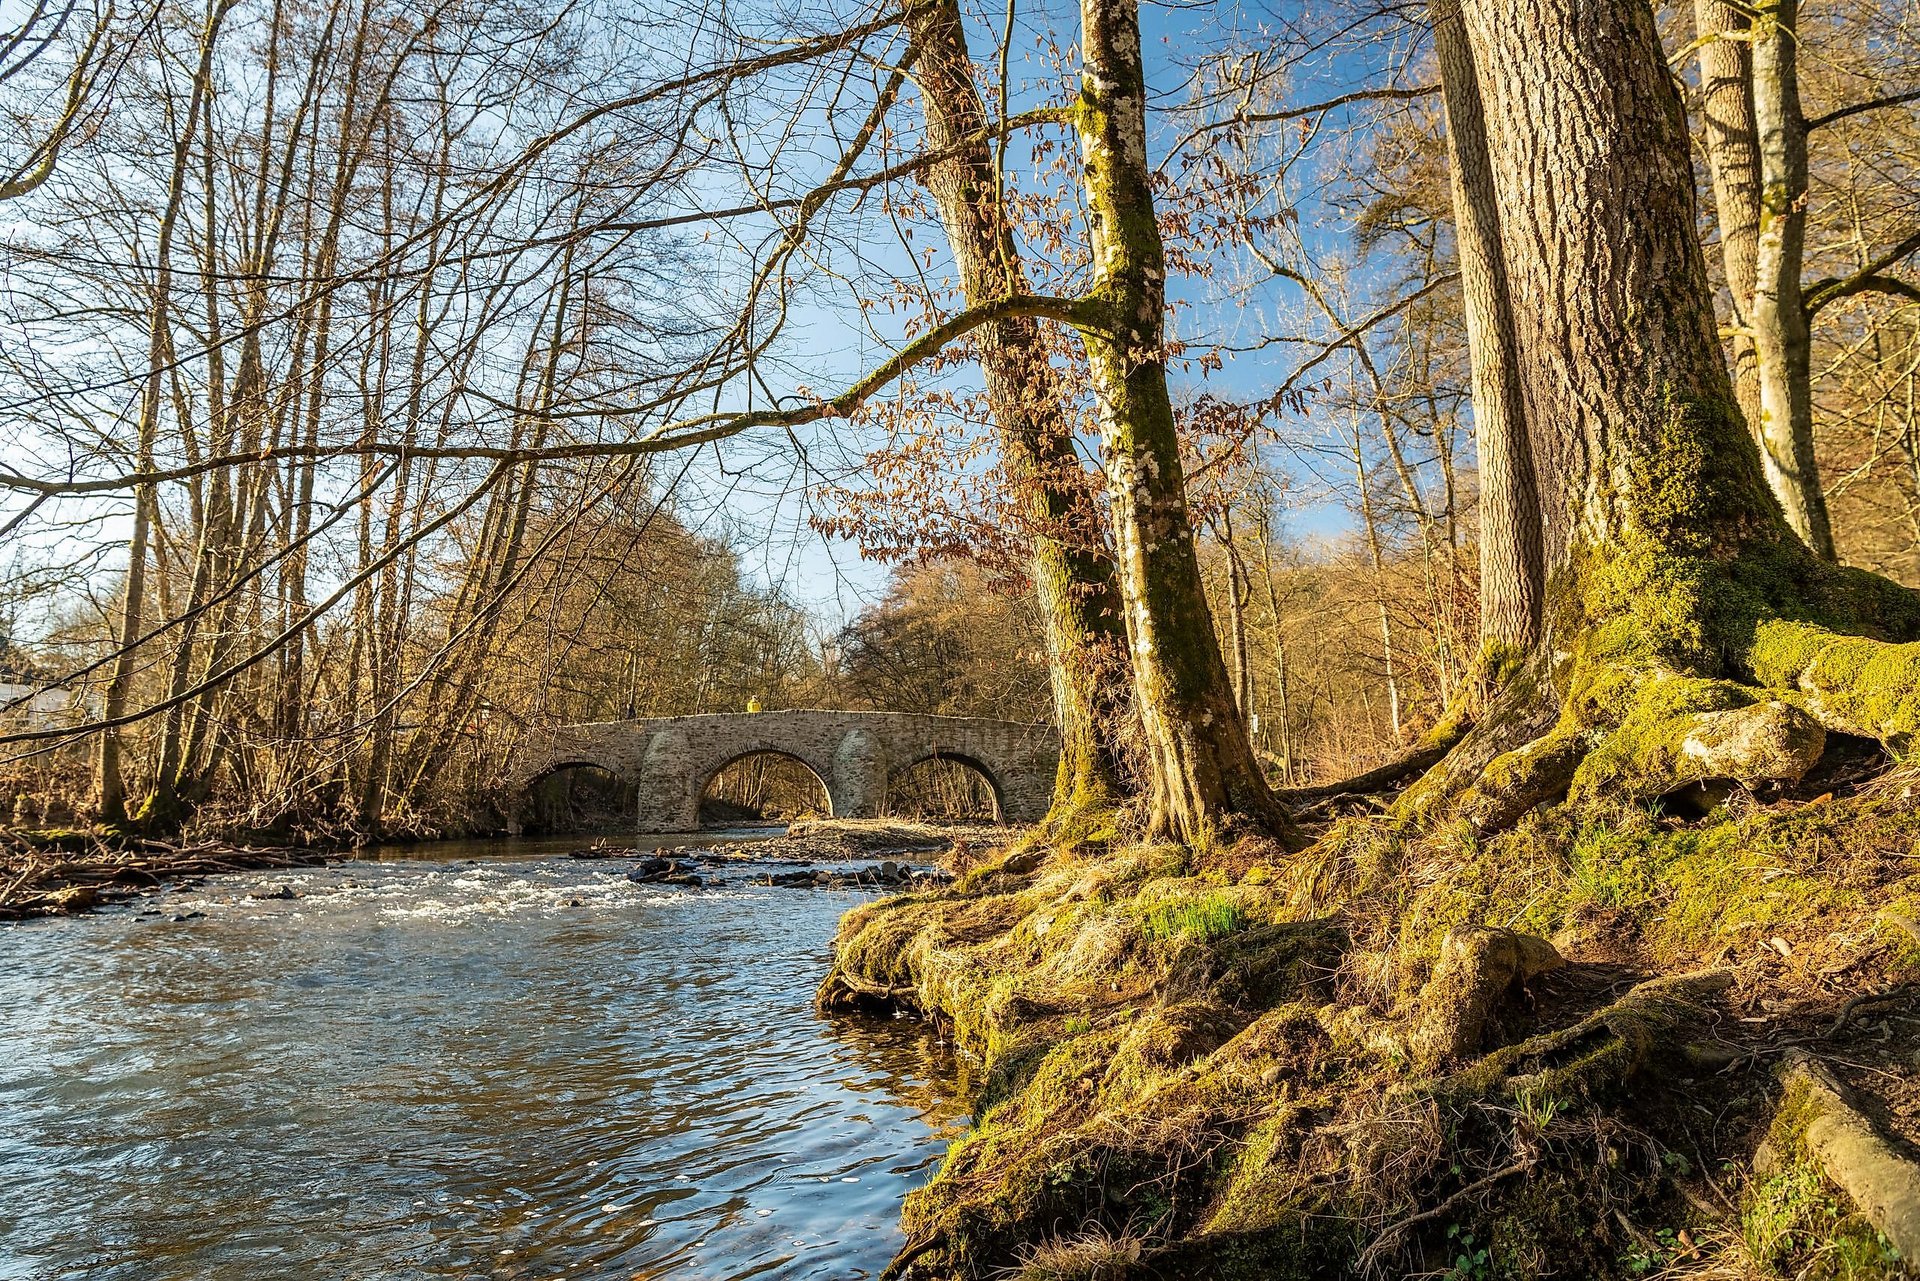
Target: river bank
pixel 1608 1045
pixel 61 874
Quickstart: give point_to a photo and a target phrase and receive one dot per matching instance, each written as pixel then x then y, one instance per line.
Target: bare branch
pixel 1870 278
pixel 1872 104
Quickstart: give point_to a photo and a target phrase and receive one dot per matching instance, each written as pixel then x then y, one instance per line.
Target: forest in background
pixel 400 328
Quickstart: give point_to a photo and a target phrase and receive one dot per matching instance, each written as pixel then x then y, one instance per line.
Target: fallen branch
pixel 876 991
pixel 1416 760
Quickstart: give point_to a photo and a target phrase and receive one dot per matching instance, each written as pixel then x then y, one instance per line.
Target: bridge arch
pixel 669 761
pixel 538 805
pixel 978 767
pixel 707 777
pixel 549 768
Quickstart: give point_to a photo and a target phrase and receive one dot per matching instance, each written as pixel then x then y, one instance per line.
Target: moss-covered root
pixel 1641 1031
pixel 1817 1124
pixel 1525 710
pixel 1532 775
pixel 1848 683
pixel 1639 735
pixel 1479 972
pixel 1681 730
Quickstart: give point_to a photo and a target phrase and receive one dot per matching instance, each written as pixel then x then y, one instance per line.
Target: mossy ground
pixel 1195 1063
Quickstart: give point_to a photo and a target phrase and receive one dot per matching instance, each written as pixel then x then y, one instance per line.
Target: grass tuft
pixel 1094 1254
pixel 1211 916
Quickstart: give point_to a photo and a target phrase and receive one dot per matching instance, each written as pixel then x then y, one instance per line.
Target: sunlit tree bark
pixel 1756 146
pixel 1072 573
pixel 1676 586
pixel 1512 577
pixel 1724 35
pixel 1203 768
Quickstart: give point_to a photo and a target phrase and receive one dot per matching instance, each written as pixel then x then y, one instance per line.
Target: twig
pixel 18 881
pixel 1868 999
pixel 1370 1256
pixel 904 1260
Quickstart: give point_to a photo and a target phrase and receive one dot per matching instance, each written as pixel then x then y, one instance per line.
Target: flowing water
pixel 505 1067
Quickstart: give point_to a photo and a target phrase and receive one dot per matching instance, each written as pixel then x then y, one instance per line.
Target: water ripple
pixel 512 1070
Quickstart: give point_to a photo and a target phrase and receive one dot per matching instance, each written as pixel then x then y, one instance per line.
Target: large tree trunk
pixel 1079 602
pixel 1202 765
pixel 1631 412
pixel 1672 571
pixel 1512 577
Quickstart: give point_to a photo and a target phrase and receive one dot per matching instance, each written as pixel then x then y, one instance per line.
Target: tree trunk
pixel 1080 604
pixel 1203 769
pixel 1756 146
pixel 1279 651
pixel 1377 559
pixel 1238 592
pixel 1675 582
pixel 1512 577
pixel 1631 412
pixel 1781 339
pixel 1726 106
pixel 109 784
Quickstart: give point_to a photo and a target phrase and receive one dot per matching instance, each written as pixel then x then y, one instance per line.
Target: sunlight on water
pixel 501 1069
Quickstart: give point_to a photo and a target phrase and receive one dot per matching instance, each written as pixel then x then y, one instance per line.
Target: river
pixel 471 1061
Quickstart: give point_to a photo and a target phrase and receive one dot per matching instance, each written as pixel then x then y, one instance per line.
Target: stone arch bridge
pixel 670 760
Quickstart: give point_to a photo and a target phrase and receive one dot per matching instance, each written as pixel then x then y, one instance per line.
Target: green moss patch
pixel 1793 1224
pixel 1209 1068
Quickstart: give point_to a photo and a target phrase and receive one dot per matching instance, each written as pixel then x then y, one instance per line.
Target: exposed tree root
pixel 1624 732
pixel 1848 683
pixel 1523 709
pixel 1817 1122
pixel 1525 778
pixel 1478 972
pixel 1647 1026
pixel 1418 759
pixel 1226 1057
pixel 1680 730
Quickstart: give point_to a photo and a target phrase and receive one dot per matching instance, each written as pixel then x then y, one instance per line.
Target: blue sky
pixel 750 491
pixel 829 578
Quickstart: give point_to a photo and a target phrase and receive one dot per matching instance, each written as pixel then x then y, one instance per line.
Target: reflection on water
pixel 502 1069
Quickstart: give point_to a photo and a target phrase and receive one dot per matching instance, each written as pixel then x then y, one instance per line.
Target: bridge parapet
pixel 670 760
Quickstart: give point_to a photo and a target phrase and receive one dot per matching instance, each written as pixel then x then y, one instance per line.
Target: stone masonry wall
pixel 670 760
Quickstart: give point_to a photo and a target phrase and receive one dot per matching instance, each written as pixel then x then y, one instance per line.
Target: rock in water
pixel 74 898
